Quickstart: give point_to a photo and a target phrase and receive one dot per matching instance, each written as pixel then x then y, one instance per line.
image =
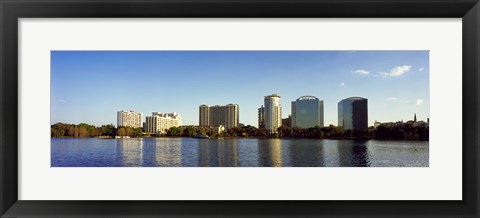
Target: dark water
pixel 190 152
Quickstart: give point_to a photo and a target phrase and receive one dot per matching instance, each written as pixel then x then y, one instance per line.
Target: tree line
pixel 404 132
pixel 190 131
pixel 83 130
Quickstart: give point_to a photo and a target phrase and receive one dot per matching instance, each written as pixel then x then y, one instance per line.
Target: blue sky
pixel 91 86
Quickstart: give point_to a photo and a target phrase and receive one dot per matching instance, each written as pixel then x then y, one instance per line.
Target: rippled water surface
pixel 243 152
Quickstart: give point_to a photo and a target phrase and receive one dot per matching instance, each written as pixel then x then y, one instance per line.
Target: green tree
pixel 174 131
pixel 137 132
pixel 71 131
pixel 82 132
pixel 121 131
pixel 108 130
pixel 90 129
pixel 76 131
pixel 284 131
pixel 189 131
pixel 261 132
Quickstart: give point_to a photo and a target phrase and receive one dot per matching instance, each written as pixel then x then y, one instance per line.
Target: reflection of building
pixel 353 153
pixel 307 111
pixel 270 153
pixel 353 113
pixel 168 152
pixel 304 153
pixel 160 122
pixel 129 118
pixel 218 153
pixel 272 113
pixel 162 152
pixel 217 115
pixel 129 152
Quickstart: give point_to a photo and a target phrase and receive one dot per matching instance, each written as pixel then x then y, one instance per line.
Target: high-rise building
pixel 272 113
pixel 287 121
pixel 227 115
pixel 261 117
pixel 129 118
pixel 307 111
pixel 353 113
pixel 161 122
pixel 204 115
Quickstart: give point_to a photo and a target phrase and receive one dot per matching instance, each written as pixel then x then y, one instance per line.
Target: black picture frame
pixel 12 10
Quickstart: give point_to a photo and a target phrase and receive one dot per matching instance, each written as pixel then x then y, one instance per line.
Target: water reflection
pixel 149 152
pixel 168 152
pixel 162 152
pixel 215 153
pixel 129 152
pixel 190 152
pixel 353 153
pixel 306 153
pixel 270 153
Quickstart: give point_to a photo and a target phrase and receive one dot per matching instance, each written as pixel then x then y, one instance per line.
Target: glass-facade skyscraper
pixel 307 111
pixel 353 113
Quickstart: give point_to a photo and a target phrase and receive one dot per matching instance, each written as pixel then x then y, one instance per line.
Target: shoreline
pixel 217 138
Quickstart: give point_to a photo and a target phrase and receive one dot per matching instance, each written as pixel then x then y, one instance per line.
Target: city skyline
pixel 87 86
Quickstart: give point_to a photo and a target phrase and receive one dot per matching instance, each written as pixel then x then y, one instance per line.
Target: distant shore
pixel 252 137
pixel 406 132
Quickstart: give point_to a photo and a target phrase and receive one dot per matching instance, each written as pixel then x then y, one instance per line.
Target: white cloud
pixel 420 69
pixel 361 72
pixel 400 70
pixel 342 84
pixel 391 99
pixel 396 71
pixel 383 74
pixel 415 102
pixel 62 101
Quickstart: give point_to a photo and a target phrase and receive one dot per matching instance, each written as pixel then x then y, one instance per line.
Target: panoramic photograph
pixel 240 108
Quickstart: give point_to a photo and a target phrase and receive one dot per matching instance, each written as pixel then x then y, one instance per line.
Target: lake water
pixel 243 152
